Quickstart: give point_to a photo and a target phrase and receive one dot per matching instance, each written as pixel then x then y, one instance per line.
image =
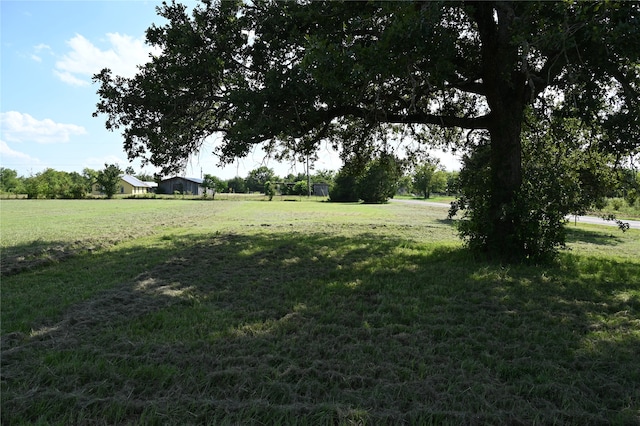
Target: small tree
pixel 108 179
pixel 301 187
pixel 34 186
pixel 78 186
pixel 452 187
pixel 344 189
pixel 423 176
pixel 258 177
pixel 213 183
pixel 380 179
pixel 269 190
pixel 51 183
pixel 439 182
pixel 9 181
pixel 90 178
pixel 237 185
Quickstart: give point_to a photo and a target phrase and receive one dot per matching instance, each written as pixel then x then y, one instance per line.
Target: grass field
pixel 305 312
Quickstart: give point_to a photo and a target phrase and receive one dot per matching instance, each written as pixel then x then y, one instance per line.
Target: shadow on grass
pixel 287 327
pixel 36 254
pixel 592 237
pixel 446 221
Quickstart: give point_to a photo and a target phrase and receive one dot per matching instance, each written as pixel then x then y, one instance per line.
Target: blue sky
pixel 49 51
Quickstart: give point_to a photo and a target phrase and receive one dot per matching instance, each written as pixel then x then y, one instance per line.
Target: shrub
pixel 380 180
pixel 269 190
pixel 300 188
pixel 557 180
pixel 616 204
pixel 344 189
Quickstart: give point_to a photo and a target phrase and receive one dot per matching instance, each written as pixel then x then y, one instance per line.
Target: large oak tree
pixel 289 76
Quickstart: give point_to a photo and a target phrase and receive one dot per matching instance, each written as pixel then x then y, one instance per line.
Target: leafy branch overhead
pixel 270 71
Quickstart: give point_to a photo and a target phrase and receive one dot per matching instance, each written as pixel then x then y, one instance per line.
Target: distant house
pixel 182 185
pixel 129 185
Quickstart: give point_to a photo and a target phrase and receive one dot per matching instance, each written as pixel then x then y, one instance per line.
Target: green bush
pixel 617 203
pixel 300 188
pixel 344 189
pixel 380 180
pixel 558 180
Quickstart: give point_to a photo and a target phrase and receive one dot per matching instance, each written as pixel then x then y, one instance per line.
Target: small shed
pixel 320 189
pixel 181 185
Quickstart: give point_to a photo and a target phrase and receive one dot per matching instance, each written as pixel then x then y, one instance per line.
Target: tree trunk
pixel 506 179
pixel 505 93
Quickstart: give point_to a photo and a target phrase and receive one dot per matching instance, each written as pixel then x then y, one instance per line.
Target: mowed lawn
pixel 306 312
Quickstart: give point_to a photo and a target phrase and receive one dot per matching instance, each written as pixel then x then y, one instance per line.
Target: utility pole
pixel 308 178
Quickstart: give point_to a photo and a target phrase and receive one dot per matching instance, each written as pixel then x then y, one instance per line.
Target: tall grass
pixel 316 313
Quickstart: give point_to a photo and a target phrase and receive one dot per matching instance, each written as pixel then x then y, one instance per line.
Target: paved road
pixel 634 224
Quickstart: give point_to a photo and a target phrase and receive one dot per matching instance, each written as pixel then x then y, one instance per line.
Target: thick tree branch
pixel 473 123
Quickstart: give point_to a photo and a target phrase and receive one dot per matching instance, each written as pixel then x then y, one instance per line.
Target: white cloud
pixel 69 78
pixel 7 153
pixel 19 127
pixel 41 47
pixel 86 59
pixel 39 50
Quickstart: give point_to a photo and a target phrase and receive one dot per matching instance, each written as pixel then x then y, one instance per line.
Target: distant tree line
pixel 264 180
pixel 375 180
pixel 51 183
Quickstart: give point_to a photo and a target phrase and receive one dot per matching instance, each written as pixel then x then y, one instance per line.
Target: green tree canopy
pixel 52 183
pixel 289 76
pixel 258 177
pixel 108 179
pixel 214 183
pixel 90 178
pixel 423 176
pixel 237 185
pixel 9 180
